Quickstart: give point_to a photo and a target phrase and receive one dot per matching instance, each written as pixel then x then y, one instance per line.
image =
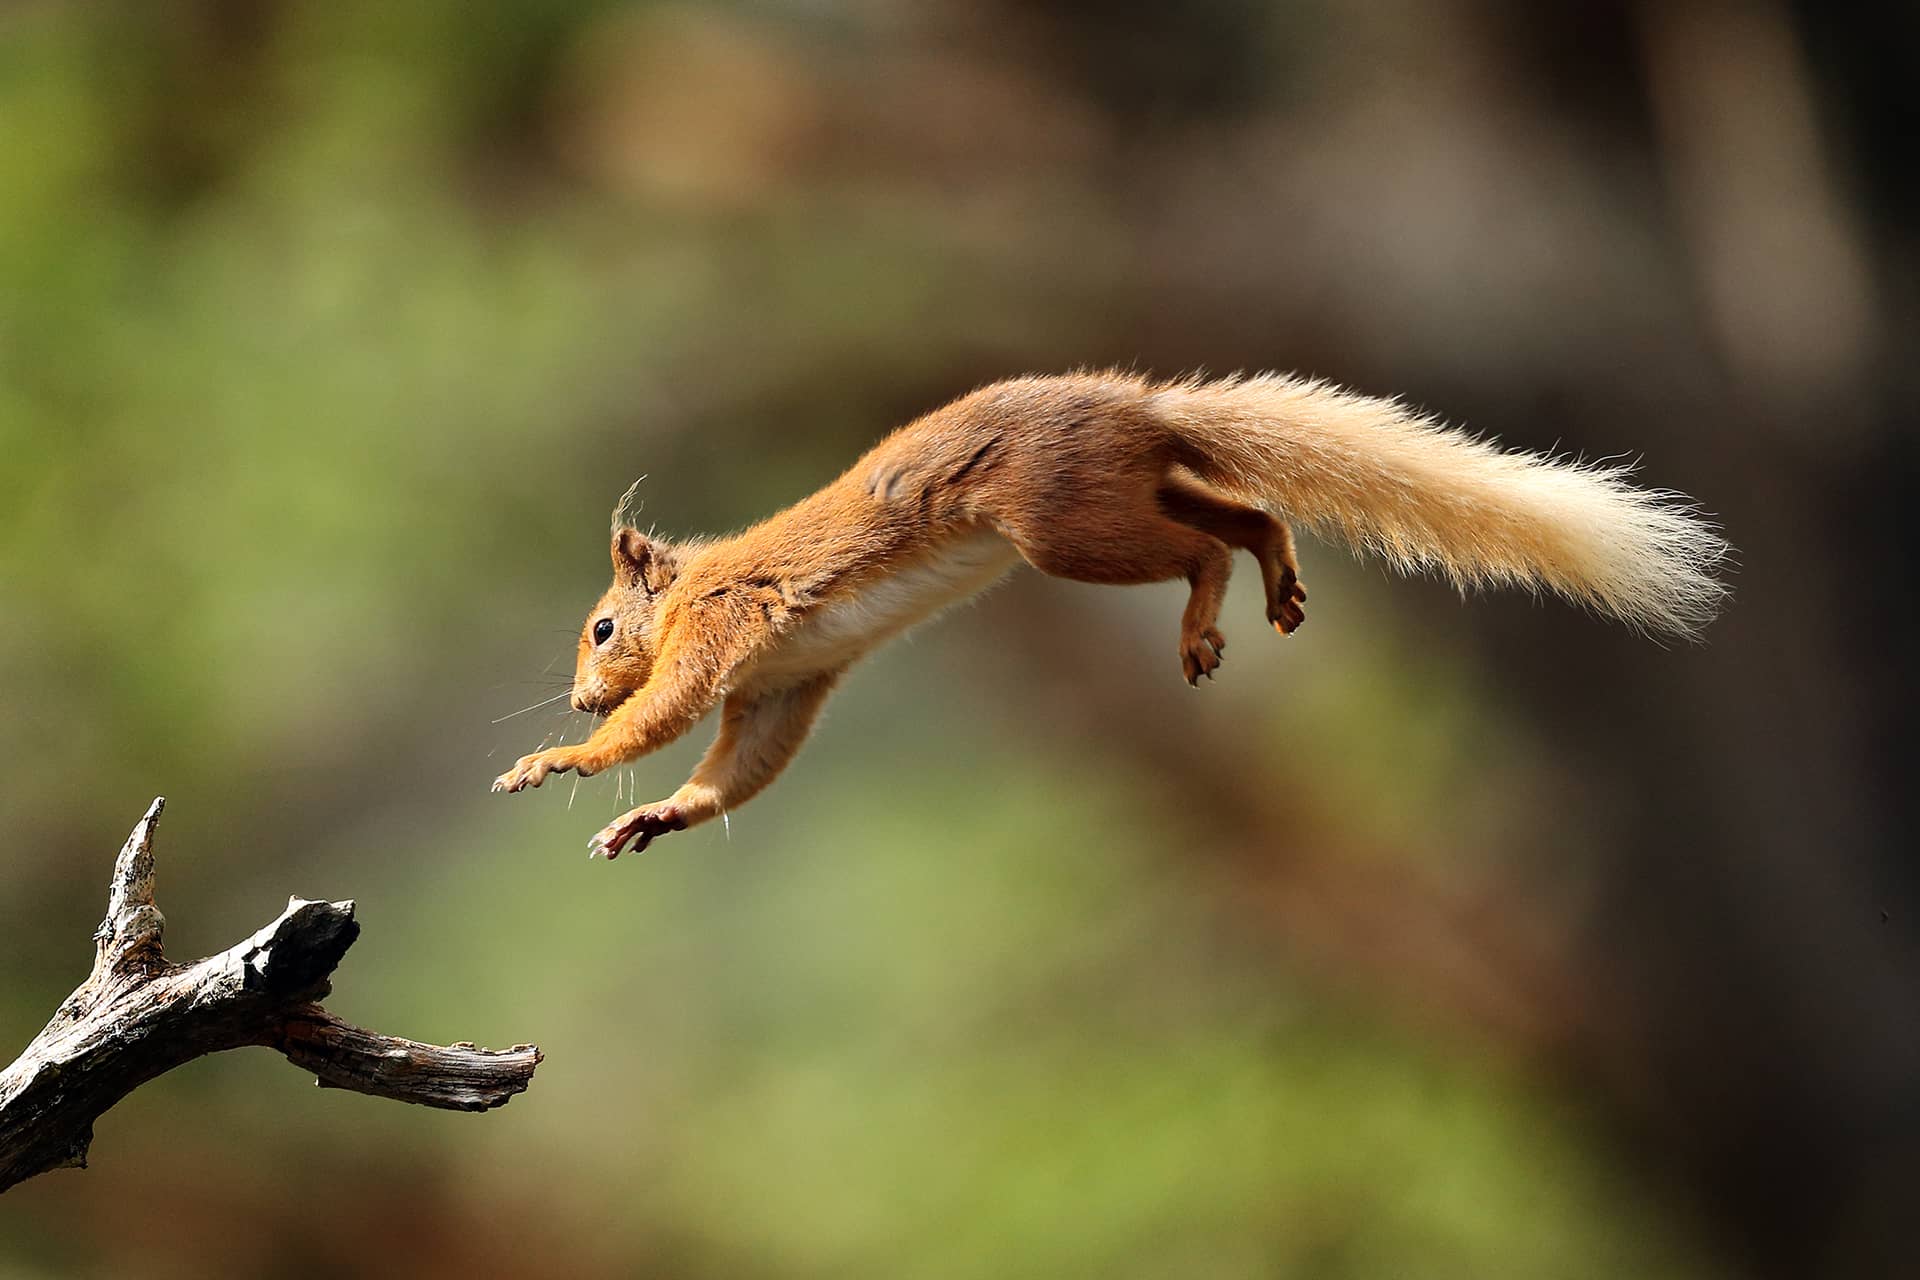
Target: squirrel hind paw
pixel 1200 655
pixel 1284 611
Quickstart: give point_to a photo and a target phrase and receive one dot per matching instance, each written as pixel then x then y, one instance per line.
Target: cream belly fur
pixel 856 622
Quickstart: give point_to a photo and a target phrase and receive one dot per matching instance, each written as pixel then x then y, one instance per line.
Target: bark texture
pixel 138 1016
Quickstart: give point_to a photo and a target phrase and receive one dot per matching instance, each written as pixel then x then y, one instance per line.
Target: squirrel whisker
pixel 536 706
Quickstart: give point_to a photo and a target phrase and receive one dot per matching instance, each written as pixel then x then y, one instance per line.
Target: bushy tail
pixel 1427 497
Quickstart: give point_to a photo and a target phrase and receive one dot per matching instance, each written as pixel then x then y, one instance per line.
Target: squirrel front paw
pixel 639 826
pixel 531 771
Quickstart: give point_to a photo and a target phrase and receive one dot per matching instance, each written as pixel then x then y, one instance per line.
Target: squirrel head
pixel 617 642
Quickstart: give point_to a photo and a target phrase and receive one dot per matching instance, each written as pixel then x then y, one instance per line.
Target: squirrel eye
pixel 603 630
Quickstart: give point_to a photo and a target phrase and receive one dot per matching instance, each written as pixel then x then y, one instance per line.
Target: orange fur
pixel 1098 477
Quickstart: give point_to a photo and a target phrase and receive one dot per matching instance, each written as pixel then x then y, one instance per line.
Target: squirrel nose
pixel 580 703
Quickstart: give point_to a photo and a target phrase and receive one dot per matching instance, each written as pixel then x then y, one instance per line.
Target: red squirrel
pixel 1097 477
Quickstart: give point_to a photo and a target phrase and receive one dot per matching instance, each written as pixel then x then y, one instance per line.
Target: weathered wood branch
pixel 137 1016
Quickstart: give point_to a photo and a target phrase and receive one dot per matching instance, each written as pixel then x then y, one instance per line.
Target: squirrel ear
pixel 639 561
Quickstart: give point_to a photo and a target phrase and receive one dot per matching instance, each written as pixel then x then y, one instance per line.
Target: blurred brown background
pixel 1446 939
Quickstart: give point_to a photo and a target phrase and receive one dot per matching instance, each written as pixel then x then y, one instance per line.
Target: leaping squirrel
pixel 1097 477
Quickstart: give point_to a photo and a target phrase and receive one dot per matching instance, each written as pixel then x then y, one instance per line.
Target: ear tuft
pixel 626 509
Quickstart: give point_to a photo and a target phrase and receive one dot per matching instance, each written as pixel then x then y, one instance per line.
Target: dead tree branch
pixel 137 1016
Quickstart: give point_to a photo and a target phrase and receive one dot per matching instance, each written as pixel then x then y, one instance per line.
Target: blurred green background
pixel 1444 940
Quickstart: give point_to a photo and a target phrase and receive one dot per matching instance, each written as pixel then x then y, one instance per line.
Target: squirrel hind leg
pixel 1201 644
pixel 1128 538
pixel 1200 641
pixel 1286 594
pixel 1192 502
pixel 1208 564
